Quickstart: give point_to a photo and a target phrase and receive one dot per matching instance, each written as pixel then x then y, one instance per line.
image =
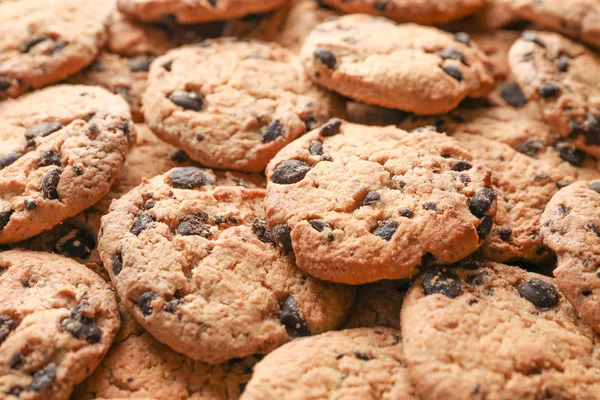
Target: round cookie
pixel 571 227
pixel 377 304
pixel 233 104
pixel 407 67
pixel 579 19
pixel 361 204
pixel 61 148
pixel 496 332
pixel 200 271
pixel 419 11
pixel 186 12
pixel 563 78
pixel 363 363
pixel 45 41
pixel 57 320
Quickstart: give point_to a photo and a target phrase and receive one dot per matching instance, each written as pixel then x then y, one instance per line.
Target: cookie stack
pixel 293 199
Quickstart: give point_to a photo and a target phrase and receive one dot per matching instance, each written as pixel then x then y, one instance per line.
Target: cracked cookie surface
pixel 233 104
pixel 57 320
pixel 364 203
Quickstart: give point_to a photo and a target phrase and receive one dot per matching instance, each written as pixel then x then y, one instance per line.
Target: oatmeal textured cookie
pixel 496 332
pixel 61 148
pixel 563 77
pixel 186 11
pixel 359 204
pixel 45 41
pixel 407 67
pixel 57 320
pixel 419 11
pixel 571 227
pixel 200 270
pixel 377 304
pixel 363 363
pixel 233 104
pixel 579 19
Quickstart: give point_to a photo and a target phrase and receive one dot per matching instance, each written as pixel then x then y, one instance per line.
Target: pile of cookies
pixel 293 199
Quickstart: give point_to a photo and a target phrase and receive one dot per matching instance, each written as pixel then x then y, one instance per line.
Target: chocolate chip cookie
pixel 233 104
pixel 579 19
pixel 186 12
pixel 45 41
pixel 61 148
pixel 201 270
pixel 563 78
pixel 377 304
pixel 571 227
pixel 406 67
pixel 496 332
pixel 421 12
pixel 359 204
pixel 363 363
pixel 57 320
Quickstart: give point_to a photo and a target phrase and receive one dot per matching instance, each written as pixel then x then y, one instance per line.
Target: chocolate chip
pixel 385 229
pixel 512 94
pixel 461 166
pixel 141 223
pixel 49 157
pixel 532 37
pixel 405 212
pixel 30 204
pixel 592 130
pixel 180 156
pixel 187 100
pixel 429 206
pixel 562 62
pixel 570 153
pixel 194 226
pixel 450 53
pixel 144 303
pixel 291 317
pixel 531 147
pixel 372 197
pixel 262 230
pixel 49 186
pixel 75 242
pixel 7 325
pixel 442 281
pixel 463 38
pixel 319 225
pixel 273 131
pixel 453 71
pixel 468 264
pixel 315 148
pixel 331 127
pixel 31 43
pixel 281 235
pixel 548 89
pixel 4 84
pixel 42 379
pixel 290 171
pixel 362 356
pixel 8 159
pixel 81 326
pixel 481 202
pixel 5 218
pixel 58 47
pixel 504 233
pixel 326 58
pixel 540 293
pixel 117 263
pixel 595 186
pixel 16 361
pixel 485 227
pixel 310 121
pixel 140 63
pixel 189 178
pixel 42 130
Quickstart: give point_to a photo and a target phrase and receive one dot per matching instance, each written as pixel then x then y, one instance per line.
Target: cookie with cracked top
pixel 578 19
pixel 496 332
pixel 233 104
pixel 44 41
pixel 57 320
pixel 407 67
pixel 361 203
pixel 421 12
pixel 562 77
pixel 185 12
pixel 362 363
pixel 61 148
pixel 571 227
pixel 377 304
pixel 200 270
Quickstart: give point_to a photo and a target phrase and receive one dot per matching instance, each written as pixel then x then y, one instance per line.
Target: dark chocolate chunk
pixel 450 53
pixel 548 89
pixel 461 166
pixel 485 227
pixel 442 281
pixel 49 186
pixel 75 242
pixel 570 153
pixel 291 317
pixel 319 225
pixel 8 159
pixel 194 225
pixel 281 235
pixel 42 379
pixel 273 131
pixel 144 303
pixel 81 326
pixel 180 156
pixel 117 263
pixel 331 127
pixel 315 148
pixel 481 202
pixel 562 62
pixel 504 233
pixel 189 178
pixel 290 171
pixel 595 186
pixel 262 230
pixel 429 206
pixel 453 71
pixel 463 38
pixel 42 130
pixel 187 100
pixel 405 212
pixel 385 229
pixel 7 325
pixel 49 157
pixel 371 198
pixel 141 223
pixel 31 43
pixel 539 292
pixel 532 147
pixel 326 58
pixel 140 63
pixel 512 94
